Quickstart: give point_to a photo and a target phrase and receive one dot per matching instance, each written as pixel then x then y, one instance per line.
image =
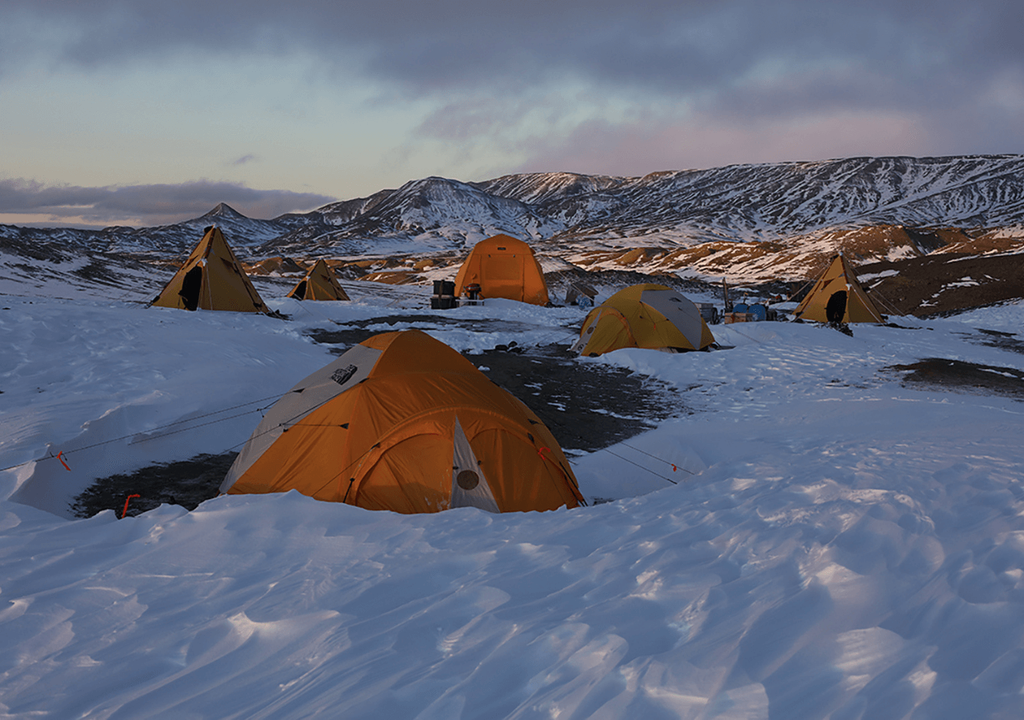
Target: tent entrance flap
pixel 502 267
pixel 191 285
pixel 835 309
pixel 469 486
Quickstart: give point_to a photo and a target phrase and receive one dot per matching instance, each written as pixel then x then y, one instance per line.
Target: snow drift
pixel 818 539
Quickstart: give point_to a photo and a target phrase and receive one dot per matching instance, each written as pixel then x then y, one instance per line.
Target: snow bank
pixel 813 539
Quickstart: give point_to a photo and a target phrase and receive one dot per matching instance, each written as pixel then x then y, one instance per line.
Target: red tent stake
pixel 128 500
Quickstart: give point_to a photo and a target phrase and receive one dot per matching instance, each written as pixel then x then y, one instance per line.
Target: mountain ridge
pixel 796 207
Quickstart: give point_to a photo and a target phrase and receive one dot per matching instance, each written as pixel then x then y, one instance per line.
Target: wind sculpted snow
pixel 816 540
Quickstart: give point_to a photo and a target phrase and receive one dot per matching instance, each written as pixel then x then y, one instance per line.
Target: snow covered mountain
pixel 433 214
pixel 747 222
pixel 163 240
pixel 769 202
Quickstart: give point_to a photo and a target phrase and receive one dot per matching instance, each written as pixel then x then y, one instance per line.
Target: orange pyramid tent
pixel 838 297
pixel 211 279
pixel 503 267
pixel 403 422
pixel 319 284
pixel 644 316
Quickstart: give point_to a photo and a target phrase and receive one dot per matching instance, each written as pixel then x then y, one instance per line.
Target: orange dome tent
pixel 402 422
pixel 319 284
pixel 644 316
pixel 211 279
pixel 503 267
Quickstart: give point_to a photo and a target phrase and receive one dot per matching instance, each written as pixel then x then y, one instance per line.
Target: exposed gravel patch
pixel 957 375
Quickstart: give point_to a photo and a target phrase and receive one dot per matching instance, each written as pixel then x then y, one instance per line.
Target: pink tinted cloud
pixel 600 148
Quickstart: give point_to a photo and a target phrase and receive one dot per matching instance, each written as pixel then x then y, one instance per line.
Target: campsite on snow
pixel 545 446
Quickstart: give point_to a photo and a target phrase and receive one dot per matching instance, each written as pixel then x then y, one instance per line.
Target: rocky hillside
pixel 740 203
pixel 749 223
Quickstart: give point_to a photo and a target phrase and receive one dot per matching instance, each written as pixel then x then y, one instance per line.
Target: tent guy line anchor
pixel 126 501
pixel 641 466
pixel 674 466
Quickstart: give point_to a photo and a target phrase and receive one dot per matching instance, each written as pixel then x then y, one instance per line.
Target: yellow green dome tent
pixel 644 316
pixel 403 422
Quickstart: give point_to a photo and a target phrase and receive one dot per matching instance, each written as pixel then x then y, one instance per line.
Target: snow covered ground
pixel 815 541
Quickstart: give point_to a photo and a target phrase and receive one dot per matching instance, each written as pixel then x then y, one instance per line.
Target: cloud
pixel 147 204
pixel 658 144
pixel 596 83
pixel 674 46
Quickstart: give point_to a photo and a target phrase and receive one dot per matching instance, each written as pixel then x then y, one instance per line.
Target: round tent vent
pixel 467 479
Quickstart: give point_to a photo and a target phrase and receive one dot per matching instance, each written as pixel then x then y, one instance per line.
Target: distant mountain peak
pixel 223 210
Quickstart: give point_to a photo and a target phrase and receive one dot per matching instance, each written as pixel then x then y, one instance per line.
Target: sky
pixel 144 112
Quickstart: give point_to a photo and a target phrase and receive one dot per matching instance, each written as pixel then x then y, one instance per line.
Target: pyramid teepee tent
pixel 503 267
pixel 837 297
pixel 644 316
pixel 319 284
pixel 211 279
pixel 402 422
